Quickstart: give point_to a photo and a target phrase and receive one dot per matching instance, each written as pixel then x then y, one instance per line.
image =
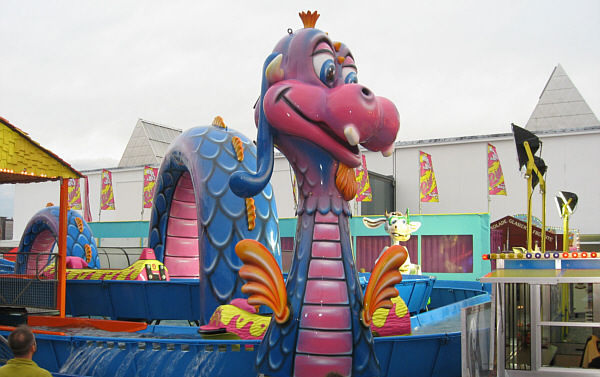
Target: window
pixel 568 322
pixel 453 254
pixel 382 189
pixel 287 252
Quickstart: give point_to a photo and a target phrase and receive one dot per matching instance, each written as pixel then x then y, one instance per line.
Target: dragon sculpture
pixel 313 110
pixel 399 227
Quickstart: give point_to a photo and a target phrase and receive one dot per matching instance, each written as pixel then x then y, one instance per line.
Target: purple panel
pixel 412 245
pixel 182 227
pixel 183 210
pixel 182 268
pixel 326 250
pixel 452 254
pixel 325 317
pixel 326 232
pixel 324 342
pixel 185 181
pixel 368 249
pixel 287 243
pixel 319 366
pixel 326 292
pixel 287 253
pixel 322 268
pixel 181 247
pixel 329 217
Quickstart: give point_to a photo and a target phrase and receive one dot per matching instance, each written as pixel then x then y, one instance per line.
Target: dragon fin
pixel 265 284
pixel 384 277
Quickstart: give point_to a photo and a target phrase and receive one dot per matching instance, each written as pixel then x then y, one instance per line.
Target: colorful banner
pixel 495 177
pixel 87 213
pixel 150 175
pixel 107 199
pixel 74 194
pixel 364 186
pixel 429 192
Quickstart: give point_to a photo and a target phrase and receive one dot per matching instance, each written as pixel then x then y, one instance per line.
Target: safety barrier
pixel 29 286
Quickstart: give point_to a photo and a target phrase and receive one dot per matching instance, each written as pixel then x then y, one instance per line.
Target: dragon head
pixel 310 91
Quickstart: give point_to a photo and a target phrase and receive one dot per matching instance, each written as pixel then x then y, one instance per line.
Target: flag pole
pixel 487 159
pixel 100 199
pixel 419 181
pixel 143 187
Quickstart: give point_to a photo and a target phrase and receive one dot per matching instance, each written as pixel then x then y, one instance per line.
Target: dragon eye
pixel 349 75
pixel 324 68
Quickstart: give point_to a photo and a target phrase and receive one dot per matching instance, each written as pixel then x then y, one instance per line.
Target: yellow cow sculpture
pixel 400 228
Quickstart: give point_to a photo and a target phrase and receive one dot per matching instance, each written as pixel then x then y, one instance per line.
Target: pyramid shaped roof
pixel 561 106
pixel 147 144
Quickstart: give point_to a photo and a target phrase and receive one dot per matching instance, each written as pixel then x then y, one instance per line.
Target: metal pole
pixel 529 190
pixel 489 198
pixel 565 231
pixel 61 270
pixel 419 182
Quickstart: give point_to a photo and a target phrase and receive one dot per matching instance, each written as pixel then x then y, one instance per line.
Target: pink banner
pixel 74 194
pixel 364 185
pixel 107 199
pixel 87 213
pixel 429 192
pixel 150 175
pixel 496 184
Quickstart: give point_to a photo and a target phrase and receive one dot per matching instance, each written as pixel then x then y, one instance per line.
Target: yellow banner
pixel 496 184
pixel 107 199
pixel 429 192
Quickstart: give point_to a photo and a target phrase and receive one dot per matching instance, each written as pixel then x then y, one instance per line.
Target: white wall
pixel 127 186
pixel 573 161
pixel 460 167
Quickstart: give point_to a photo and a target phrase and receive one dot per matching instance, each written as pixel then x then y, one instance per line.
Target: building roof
pixel 561 109
pixel 23 160
pixel 147 144
pixel 561 106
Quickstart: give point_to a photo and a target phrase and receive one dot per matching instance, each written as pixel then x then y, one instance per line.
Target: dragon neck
pixel 324 184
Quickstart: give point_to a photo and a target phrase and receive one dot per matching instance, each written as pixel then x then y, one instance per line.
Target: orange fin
pixel 384 277
pixel 265 282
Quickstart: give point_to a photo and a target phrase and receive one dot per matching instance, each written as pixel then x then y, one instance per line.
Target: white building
pixel 567 127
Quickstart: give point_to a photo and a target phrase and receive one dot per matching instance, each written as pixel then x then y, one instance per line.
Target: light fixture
pixel 521 136
pixel 566 202
pixel 527 145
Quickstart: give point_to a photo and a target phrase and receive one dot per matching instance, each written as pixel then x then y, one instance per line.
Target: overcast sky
pixel 77 75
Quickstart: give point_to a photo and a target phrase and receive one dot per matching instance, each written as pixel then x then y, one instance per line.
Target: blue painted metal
pixel 413 289
pixel 154 299
pixel 145 300
pixel 446 292
pixel 7 267
pixel 79 236
pixel 177 350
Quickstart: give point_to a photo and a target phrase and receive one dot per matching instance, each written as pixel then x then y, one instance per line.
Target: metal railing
pixel 32 284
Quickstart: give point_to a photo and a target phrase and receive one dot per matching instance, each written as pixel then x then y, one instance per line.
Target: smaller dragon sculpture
pixel 400 228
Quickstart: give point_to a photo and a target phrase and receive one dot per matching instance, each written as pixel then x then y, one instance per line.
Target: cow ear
pixel 414 226
pixel 373 223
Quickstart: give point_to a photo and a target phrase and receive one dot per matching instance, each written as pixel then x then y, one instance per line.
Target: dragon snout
pixel 387 129
pixel 365 118
pixel 367 94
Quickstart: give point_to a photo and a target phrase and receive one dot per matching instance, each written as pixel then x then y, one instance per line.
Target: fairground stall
pixel 547 316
